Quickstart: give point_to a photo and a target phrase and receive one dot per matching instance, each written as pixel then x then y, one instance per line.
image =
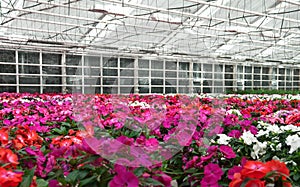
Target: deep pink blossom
pixel 163 178
pixel 235 134
pixel 227 151
pixel 123 178
pixel 212 174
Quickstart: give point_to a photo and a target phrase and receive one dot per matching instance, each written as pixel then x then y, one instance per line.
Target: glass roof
pixel 252 29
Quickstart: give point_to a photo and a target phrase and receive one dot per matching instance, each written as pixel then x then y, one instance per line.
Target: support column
pixel 63 73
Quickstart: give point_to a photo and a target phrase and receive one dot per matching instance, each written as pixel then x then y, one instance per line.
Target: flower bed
pixel 101 140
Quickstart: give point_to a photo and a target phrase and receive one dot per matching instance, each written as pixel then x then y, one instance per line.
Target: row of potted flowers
pixel 100 140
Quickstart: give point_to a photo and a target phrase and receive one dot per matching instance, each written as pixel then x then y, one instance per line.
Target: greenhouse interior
pixel 148 46
pixel 133 93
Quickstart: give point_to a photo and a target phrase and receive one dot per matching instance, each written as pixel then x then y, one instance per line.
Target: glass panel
pixel 207 67
pixel 126 63
pixel 143 73
pixel 7 56
pixel 110 62
pixel 257 70
pixel 6 68
pixel 126 90
pixel 156 64
pixel 143 63
pixel 265 70
pixel 52 89
pixel 197 75
pixel 92 61
pixel 240 71
pixel 207 86
pixel 248 69
pixel 8 89
pixel 125 81
pixel 196 67
pixel 110 72
pixel 228 68
pixel 30 89
pixel 157 90
pixel 73 71
pixel 127 73
pixel 157 73
pixel 25 69
pixel 51 80
pixel 73 60
pixel 8 79
pixel 170 74
pixel 29 80
pixel 157 81
pixel 184 66
pixel 248 77
pixel 50 70
pixel 228 83
pixel 29 58
pixel 52 59
pixel 207 75
pixel 171 65
pixel 183 74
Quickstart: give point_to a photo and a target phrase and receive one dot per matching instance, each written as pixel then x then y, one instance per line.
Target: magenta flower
pixel 123 178
pixel 227 151
pixel 235 134
pixel 53 183
pixel 163 178
pixel 212 174
pixel 233 170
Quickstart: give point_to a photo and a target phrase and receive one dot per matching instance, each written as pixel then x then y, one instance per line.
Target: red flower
pixel 255 169
pixel 9 178
pixel 4 136
pixel 26 137
pixel 8 157
pixel 237 180
pixel 280 169
pixel 255 183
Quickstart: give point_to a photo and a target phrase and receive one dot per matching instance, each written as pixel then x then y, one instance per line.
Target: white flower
pixel 258 149
pixel 262 123
pixel 234 111
pixel 223 139
pixel 292 128
pixel 274 128
pixel 262 133
pixel 292 162
pixel 278 147
pixel 294 142
pixel 248 138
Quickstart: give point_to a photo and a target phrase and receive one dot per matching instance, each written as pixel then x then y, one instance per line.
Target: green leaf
pixel 150 181
pixel 84 182
pixel 139 171
pixel 296 177
pixel 73 176
pixel 42 183
pixel 27 177
pixel 83 174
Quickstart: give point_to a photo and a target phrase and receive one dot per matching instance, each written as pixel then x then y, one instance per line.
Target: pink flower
pixel 123 178
pixel 227 151
pixel 163 178
pixel 235 134
pixel 212 174
pixel 53 183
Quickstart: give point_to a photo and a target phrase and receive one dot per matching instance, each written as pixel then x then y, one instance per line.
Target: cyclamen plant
pixel 237 141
